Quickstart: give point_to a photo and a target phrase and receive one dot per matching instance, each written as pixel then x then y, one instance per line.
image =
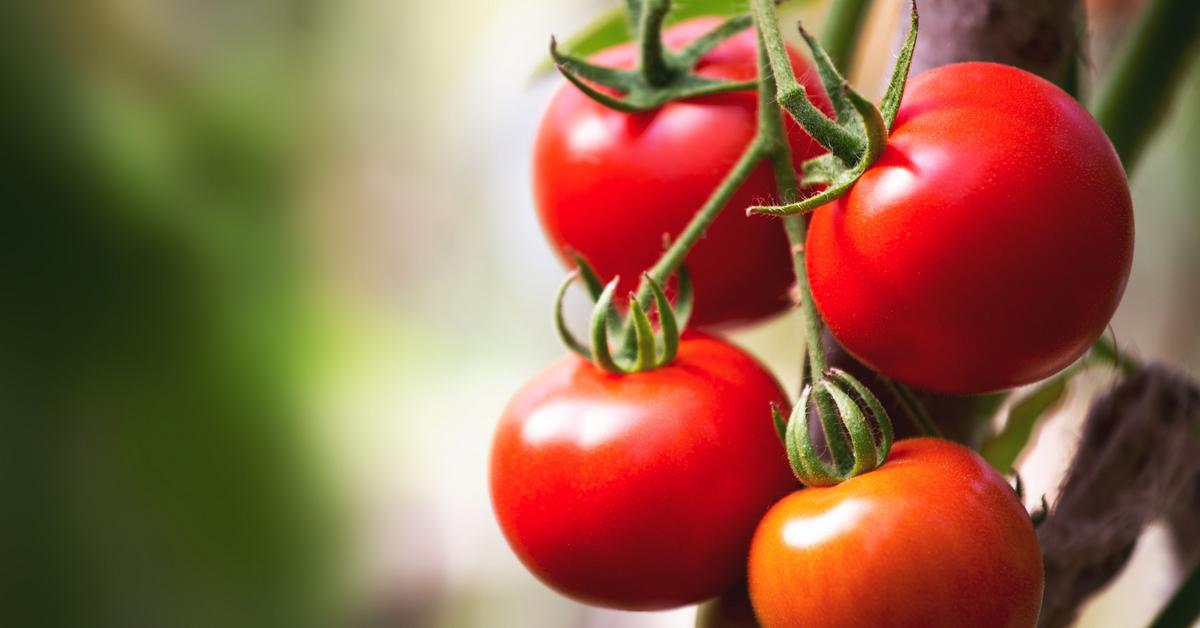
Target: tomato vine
pixel 856 427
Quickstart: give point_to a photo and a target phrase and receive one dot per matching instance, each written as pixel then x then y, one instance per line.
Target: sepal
pixel 662 76
pixel 857 430
pixel 856 115
pixel 640 347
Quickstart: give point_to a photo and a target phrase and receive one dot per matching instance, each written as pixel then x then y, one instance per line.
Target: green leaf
pixel 1003 449
pixel 612 27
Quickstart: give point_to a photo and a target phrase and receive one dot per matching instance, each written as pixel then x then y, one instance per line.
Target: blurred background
pixel 270 270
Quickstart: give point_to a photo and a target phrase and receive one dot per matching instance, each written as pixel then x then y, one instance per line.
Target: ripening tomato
pixel 614 186
pixel 934 537
pixel 989 245
pixel 640 491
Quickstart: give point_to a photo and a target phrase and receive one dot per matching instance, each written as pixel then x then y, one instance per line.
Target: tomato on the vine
pixel 988 246
pixel 640 491
pixel 613 186
pixel 934 537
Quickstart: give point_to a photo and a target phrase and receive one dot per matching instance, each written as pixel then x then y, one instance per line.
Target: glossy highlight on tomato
pixel 640 491
pixel 988 246
pixel 614 186
pixel 934 537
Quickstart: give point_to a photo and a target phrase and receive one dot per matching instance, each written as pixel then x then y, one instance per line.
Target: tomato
pixel 989 245
pixel 611 185
pixel 934 537
pixel 640 491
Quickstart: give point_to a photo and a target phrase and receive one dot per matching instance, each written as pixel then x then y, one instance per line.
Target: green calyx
pixel 662 75
pixel 639 347
pixel 858 136
pixel 858 433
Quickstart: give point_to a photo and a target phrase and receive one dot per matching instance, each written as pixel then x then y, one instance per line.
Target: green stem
pixel 772 136
pixel 1142 81
pixel 913 408
pixel 842 26
pixel 1107 351
pixel 1184 606
pixel 652 59
pixel 791 95
pixel 671 259
pixel 674 255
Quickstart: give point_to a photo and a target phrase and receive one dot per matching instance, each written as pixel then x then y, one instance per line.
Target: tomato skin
pixel 934 537
pixel 989 245
pixel 641 491
pixel 611 185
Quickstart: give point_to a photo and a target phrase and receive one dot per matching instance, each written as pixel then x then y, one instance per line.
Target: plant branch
pixel 674 255
pixel 672 259
pixel 652 60
pixel 771 135
pixel 791 95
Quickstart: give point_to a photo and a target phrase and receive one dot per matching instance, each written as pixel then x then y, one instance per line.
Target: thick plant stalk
pixel 1034 35
pixel 1138 461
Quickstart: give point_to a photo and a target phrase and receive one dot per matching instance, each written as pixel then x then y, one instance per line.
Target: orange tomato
pixel 934 537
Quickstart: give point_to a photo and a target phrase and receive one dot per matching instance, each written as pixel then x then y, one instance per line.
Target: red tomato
pixel 611 185
pixel 989 245
pixel 934 537
pixel 640 491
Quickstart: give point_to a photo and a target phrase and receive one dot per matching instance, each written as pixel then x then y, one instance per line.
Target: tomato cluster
pixel 986 247
pixel 642 491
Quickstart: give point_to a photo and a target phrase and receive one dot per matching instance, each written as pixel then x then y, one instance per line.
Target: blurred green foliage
pixel 154 467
